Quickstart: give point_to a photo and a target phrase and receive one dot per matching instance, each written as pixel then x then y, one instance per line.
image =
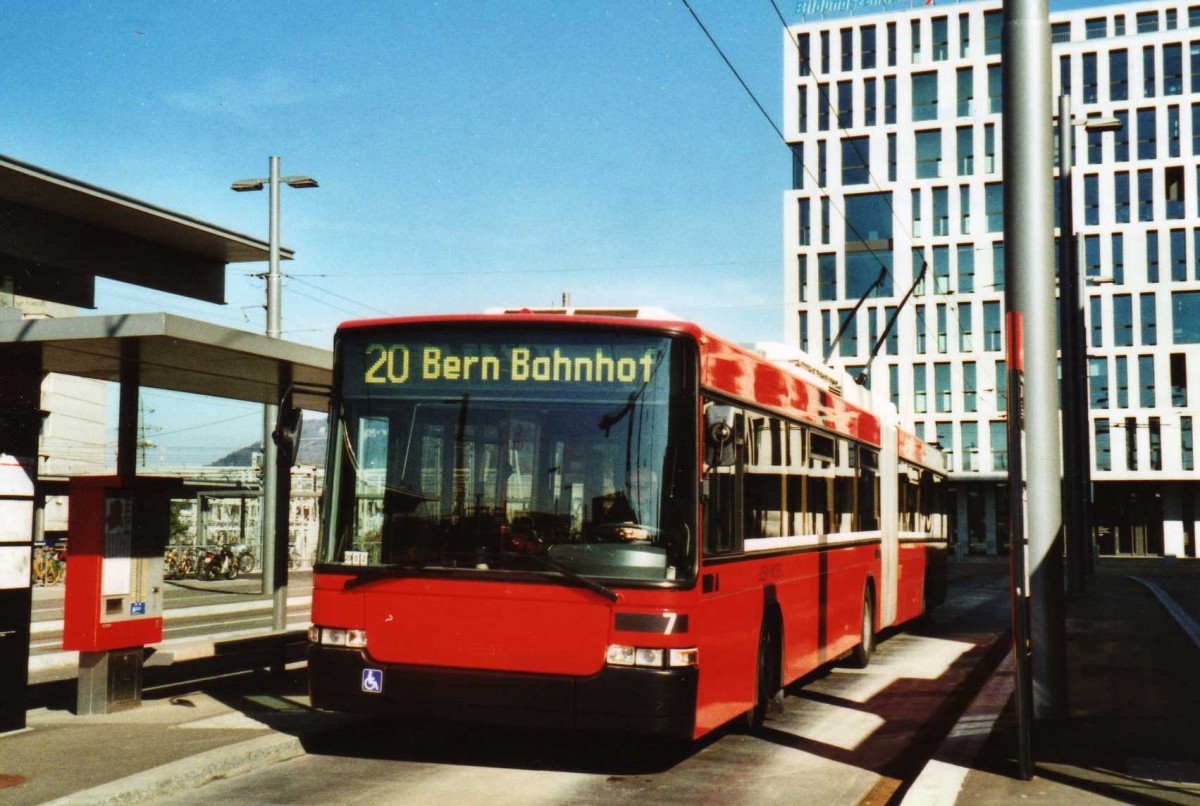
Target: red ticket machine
pixel 114 597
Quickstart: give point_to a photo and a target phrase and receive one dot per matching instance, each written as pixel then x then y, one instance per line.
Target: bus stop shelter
pixel 58 236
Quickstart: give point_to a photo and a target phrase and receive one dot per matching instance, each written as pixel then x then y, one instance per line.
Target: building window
pixel 941 216
pixel 1149 318
pixel 929 154
pixel 1064 75
pixel 1149 78
pixel 1122 382
pixel 804 214
pixel 1194 51
pixel 1095 147
pixel 825 220
pixel 992 337
pixel 1131 451
pixel 1146 381
pixel 998 437
pixel 998 266
pixel 964 35
pixel 916 215
pixel 804 64
pixel 993 193
pixel 856 167
pixel 869 101
pixel 889 99
pixel 965 138
pixel 802 277
pixel 1147 22
pixel 1001 385
pixel 966 91
pixel 848 327
pixel 1118 258
pixel 1091 84
pixel 920 402
pixel 1179 387
pixel 804 331
pixel 1147 146
pixel 1178 241
pixel 1121 138
pixel 969 386
pixel 1096 28
pixel 1097 321
pixel 1173 190
pixel 802 111
pixel 964 210
pixel 1119 25
pixel 867 44
pixel 1098 383
pixel 1173 149
pixel 1123 320
pixel 845 104
pixel 989 148
pixel 1173 69
pixel 1146 196
pixel 1187 455
pixel 1185 312
pixel 847 48
pixel 891 345
pixel 943 398
pixel 1121 197
pixel 824 53
pixel 1151 256
pixel 945 440
pixel 1059 32
pixel 1103 445
pixel 995 88
pixel 970 446
pixel 822 163
pixel 1118 75
pixel 993 22
pixel 1091 199
pixel 1172 19
pixel 966 268
pixel 915 39
pixel 892 161
pixel 924 96
pixel 827 277
pixel 823 107
pixel 920 326
pixel 891 44
pixel 942 342
pixel 941 39
pixel 894 384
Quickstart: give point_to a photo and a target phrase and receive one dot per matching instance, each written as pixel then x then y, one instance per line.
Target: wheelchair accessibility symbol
pixel 372 681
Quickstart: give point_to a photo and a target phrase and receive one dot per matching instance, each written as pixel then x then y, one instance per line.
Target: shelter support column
pixel 20 426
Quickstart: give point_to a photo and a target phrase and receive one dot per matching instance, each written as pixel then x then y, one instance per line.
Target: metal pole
pixel 1073 358
pixel 1032 364
pixel 270 528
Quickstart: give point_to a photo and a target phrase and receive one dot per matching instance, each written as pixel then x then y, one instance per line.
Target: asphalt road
pixel 839 736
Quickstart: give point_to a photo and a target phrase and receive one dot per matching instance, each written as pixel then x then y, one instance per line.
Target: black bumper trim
pixel 643 701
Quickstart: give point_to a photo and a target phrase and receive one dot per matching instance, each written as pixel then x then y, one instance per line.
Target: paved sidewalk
pixel 1132 734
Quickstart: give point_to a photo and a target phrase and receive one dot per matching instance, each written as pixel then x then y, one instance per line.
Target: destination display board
pixel 424 363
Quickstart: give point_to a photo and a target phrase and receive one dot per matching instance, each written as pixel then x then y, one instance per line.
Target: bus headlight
pixel 337 636
pixel 650 657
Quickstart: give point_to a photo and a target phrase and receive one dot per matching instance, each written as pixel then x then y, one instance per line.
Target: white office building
pixel 895 124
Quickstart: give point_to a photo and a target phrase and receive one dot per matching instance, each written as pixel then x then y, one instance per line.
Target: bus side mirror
pixel 718 436
pixel 288 427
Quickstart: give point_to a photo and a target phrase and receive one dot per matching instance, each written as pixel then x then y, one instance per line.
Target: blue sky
pixel 470 154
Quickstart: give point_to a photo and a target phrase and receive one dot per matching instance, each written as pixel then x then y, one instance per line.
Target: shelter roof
pixel 60 234
pixel 180 354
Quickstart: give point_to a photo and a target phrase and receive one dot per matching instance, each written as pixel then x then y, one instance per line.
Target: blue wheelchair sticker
pixel 372 681
pixel 137 609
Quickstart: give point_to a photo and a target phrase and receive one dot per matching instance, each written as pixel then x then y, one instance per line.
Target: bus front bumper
pixel 649 702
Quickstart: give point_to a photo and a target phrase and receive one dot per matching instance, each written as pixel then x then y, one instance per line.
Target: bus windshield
pixel 514 450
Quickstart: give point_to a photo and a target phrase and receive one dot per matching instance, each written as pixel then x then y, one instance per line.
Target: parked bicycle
pixel 49 565
pixel 245 558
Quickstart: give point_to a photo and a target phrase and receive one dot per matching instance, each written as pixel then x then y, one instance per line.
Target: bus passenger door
pixel 889 492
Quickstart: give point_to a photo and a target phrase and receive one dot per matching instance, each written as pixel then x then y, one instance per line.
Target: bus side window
pixel 722 533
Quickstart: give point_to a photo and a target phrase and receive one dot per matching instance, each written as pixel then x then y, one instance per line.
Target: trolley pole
pixel 1033 431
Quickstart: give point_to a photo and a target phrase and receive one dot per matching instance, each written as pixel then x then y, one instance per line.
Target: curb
pixel 942 777
pixel 189 773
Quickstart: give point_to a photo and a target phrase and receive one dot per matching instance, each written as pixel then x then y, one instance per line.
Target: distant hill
pixel 312 448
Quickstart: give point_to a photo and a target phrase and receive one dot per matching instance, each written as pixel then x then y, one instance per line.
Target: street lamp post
pixel 276 480
pixel 1077 482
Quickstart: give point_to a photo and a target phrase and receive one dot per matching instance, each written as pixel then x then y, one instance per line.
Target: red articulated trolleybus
pixel 603 522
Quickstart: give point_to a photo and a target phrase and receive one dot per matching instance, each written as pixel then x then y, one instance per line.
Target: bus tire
pixel 861 654
pixel 765 683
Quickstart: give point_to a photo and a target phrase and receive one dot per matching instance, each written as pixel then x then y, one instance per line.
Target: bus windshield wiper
pixel 384 572
pixel 568 574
